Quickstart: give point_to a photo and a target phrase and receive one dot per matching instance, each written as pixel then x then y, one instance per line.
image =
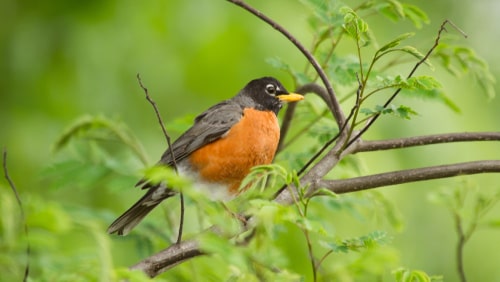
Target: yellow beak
pixel 290 97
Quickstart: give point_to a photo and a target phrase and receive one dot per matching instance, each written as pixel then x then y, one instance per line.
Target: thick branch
pixel 405 176
pixel 369 146
pixel 168 258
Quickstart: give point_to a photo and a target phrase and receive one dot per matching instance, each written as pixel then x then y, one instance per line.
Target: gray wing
pixel 208 127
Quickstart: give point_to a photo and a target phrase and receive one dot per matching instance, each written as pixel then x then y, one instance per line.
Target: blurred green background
pixel 61 60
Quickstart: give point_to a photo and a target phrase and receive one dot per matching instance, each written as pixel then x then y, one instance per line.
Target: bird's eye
pixel 271 89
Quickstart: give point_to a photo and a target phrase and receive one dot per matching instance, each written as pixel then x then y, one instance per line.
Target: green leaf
pixel 408 275
pixel 424 82
pixel 354 25
pixel 159 173
pixel 356 244
pixel 459 60
pixel 344 69
pixel 416 82
pixel 325 11
pixel 278 63
pixel 395 42
pixel 325 192
pixel 397 7
pixel 401 111
pixel 415 15
pixel 263 176
pixel 101 128
pixel 418 86
pixel 415 53
pixel 314 226
pixel 395 11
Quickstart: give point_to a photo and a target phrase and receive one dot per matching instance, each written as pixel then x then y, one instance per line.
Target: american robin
pixel 221 147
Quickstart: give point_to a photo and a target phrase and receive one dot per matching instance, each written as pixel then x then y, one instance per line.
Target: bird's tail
pixel 129 219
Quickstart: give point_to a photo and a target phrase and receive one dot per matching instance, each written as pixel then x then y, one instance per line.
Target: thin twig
pixel 311 253
pixel 23 215
pixel 320 261
pixel 169 143
pixel 462 239
pixel 160 120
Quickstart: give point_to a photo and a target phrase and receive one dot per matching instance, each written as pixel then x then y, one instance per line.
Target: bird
pixel 220 148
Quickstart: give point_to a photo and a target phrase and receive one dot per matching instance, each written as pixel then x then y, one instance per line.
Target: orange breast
pixel 252 141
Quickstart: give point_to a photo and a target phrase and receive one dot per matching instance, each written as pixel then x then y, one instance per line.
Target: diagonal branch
pixel 168 258
pixel 405 176
pixel 369 146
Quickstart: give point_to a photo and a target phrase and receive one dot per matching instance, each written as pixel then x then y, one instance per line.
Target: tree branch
pixel 405 176
pixel 369 146
pixel 168 258
pixel 332 99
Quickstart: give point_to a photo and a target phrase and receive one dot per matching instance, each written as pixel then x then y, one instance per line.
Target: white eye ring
pixel 271 89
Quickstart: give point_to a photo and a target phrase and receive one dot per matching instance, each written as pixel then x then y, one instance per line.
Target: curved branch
pixel 23 214
pixel 369 146
pixel 332 99
pixel 405 176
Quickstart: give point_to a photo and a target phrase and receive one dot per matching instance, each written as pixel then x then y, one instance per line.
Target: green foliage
pixel 468 206
pixel 457 60
pixel 403 112
pixel 370 240
pixel 408 275
pixel 333 19
pixel 101 128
